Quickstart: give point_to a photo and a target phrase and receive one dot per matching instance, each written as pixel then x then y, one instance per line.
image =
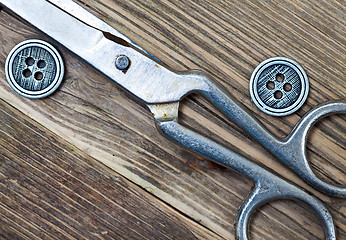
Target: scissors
pixel 161 89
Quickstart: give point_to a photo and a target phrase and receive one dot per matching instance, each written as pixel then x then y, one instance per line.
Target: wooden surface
pixel 88 163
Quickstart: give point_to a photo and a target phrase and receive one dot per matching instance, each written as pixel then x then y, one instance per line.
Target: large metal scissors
pixel 161 89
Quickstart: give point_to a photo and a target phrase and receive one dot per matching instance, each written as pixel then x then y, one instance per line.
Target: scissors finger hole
pixel 325 149
pixel 285 219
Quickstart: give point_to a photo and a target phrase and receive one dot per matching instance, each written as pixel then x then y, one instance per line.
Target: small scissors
pixel 161 90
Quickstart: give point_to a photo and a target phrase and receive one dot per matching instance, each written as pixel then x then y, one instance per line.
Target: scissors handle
pixel 294 151
pixel 291 150
pixel 268 186
pixel 281 190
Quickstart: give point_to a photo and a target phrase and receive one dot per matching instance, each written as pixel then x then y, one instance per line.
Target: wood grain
pixel 49 189
pixel 64 187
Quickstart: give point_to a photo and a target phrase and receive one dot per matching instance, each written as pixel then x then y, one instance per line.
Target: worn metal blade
pixel 88 18
pixel 57 24
pixel 145 78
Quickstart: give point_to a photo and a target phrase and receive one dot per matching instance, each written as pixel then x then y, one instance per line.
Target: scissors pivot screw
pixel 122 62
pixel 279 86
pixel 34 68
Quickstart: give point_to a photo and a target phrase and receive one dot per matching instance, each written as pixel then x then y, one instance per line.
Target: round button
pixel 34 68
pixel 279 86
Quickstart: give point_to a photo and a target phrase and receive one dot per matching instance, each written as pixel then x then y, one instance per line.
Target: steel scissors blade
pixel 162 89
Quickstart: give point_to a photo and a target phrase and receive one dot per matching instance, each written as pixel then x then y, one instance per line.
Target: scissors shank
pixel 290 150
pixel 268 186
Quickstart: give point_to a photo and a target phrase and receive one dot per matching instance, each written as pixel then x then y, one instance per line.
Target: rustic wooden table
pixel 88 163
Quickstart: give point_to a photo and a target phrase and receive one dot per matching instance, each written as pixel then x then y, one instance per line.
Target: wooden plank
pixel 51 190
pixel 227 39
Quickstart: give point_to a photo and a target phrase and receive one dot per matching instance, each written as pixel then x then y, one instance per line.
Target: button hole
pixel 280 77
pixel 29 61
pixel 278 94
pixel 287 87
pixel 38 76
pixel 270 85
pixel 41 64
pixel 26 73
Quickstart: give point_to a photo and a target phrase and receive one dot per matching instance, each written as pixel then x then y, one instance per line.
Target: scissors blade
pixel 73 34
pixel 146 78
pixel 86 17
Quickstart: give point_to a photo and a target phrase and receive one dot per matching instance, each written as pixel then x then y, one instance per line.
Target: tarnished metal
pixel 268 186
pixel 162 89
pixel 279 86
pixel 34 68
pixel 147 79
pixel 122 62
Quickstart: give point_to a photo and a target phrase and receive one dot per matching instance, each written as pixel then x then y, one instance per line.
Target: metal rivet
pixel 279 86
pixel 34 68
pixel 122 62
